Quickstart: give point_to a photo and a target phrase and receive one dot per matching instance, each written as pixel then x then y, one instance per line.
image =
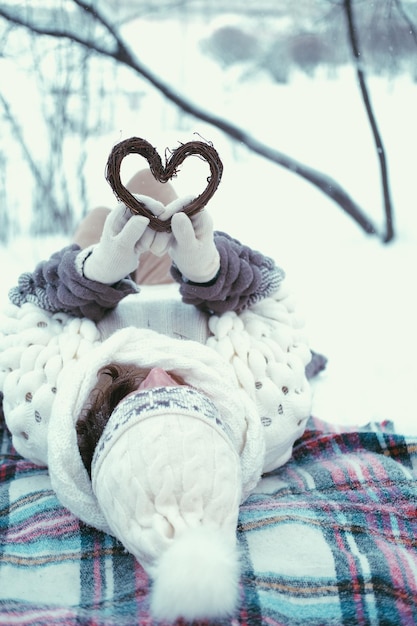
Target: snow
pixel 358 296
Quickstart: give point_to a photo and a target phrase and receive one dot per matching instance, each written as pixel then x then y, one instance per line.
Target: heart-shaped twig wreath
pixel 136 145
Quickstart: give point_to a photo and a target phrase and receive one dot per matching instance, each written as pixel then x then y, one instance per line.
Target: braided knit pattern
pixel 189 476
pixel 34 347
pixel 145 404
pixel 268 351
pixel 246 276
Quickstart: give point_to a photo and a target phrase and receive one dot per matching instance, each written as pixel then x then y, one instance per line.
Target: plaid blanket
pixel 329 539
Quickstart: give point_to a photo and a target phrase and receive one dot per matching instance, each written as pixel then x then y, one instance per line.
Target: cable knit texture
pixel 267 348
pixel 199 366
pixel 167 477
pixel 264 344
pixel 175 440
pixel 57 285
pixel 246 276
pixel 35 346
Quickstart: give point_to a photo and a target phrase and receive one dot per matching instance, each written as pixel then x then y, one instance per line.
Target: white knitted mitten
pixel 125 237
pixel 192 247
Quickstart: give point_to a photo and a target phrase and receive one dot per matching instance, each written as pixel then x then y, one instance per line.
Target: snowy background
pixel 358 296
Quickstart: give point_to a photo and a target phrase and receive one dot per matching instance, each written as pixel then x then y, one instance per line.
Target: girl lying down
pixel 158 376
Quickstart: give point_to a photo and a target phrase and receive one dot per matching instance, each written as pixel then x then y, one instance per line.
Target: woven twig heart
pixel 136 145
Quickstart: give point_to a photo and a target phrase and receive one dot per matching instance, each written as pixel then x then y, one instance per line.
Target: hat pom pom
pixel 197 577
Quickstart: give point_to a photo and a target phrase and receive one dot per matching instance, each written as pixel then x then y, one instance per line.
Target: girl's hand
pixel 192 247
pixel 125 237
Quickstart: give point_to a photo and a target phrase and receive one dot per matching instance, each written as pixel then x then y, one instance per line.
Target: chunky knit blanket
pixel 328 539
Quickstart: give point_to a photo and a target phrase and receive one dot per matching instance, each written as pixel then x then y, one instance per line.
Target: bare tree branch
pixel 121 53
pixel 353 38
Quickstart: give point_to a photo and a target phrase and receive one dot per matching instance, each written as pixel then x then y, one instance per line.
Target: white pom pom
pixel 197 577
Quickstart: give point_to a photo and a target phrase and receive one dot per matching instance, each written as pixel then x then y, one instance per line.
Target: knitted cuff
pixel 57 285
pixel 245 277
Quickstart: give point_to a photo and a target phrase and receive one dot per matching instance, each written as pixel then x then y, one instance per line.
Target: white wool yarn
pixel 35 345
pixel 167 477
pixel 189 471
pixel 267 348
pixel 264 345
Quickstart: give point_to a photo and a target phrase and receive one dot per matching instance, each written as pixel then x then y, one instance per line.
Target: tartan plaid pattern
pixel 329 539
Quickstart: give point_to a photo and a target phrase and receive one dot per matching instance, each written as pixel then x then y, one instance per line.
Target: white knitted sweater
pixel 263 347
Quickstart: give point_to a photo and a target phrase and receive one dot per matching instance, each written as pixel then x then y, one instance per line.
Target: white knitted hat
pixel 168 479
pixel 198 365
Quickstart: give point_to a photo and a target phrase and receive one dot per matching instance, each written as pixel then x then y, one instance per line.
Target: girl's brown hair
pixel 115 381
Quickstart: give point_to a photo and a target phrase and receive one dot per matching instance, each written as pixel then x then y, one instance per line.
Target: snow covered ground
pixel 358 295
